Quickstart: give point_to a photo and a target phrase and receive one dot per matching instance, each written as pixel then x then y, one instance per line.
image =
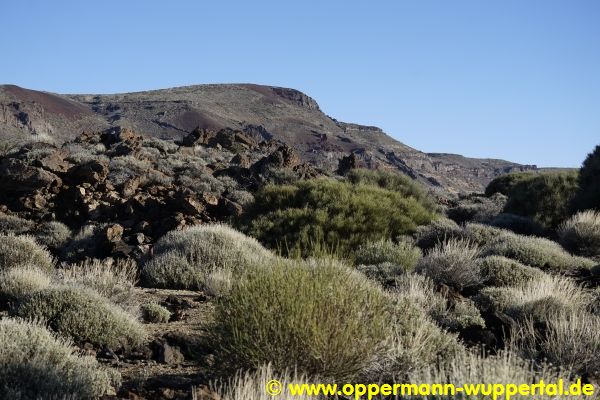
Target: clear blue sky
pixel 512 79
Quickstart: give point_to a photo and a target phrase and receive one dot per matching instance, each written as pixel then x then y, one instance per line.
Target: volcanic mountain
pixel 267 112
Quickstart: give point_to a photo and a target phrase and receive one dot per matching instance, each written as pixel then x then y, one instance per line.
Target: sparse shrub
pixel 477 208
pixel 23 250
pixel 11 224
pixel 570 340
pixel 114 280
pixel 82 315
pixel 482 234
pixel 385 251
pixel 438 231
pixel 536 252
pixel 330 321
pixel 36 364
pixel 505 184
pixel 185 258
pixel 452 263
pixel 543 197
pixel 340 214
pixel 581 233
pixel 21 281
pixel 53 234
pixel 154 312
pixel 415 342
pixel 502 271
pixel 421 291
pixel 384 273
pixel 588 195
pixel 241 197
pixel 517 224
pixel 536 298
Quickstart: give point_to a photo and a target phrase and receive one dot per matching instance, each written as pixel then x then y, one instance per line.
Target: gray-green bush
pixel 319 316
pixel 23 250
pixel 83 315
pixel 453 263
pixel 36 364
pixel 183 259
pixel 502 271
pixel 581 233
pixel 18 282
pixel 402 254
pixel 154 312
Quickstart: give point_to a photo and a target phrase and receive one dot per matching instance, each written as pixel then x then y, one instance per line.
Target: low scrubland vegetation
pixel 360 278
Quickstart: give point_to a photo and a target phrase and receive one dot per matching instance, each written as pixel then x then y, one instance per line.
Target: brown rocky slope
pixel 266 112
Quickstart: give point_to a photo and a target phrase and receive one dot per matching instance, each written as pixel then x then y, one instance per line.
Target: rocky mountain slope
pixel 263 112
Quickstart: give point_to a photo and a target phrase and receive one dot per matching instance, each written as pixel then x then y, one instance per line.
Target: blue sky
pixel 518 80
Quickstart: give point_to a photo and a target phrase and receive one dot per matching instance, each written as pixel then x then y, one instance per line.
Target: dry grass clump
pixel 453 263
pixel 536 252
pixel 83 315
pixel 471 367
pixel 319 316
pixel 581 233
pixel 251 385
pixel 36 364
pixel 154 312
pixel 421 291
pixel 185 258
pixel 403 254
pixel 23 250
pixel 415 342
pixel 570 340
pixel 114 280
pixel 502 271
pixel 536 298
pixel 21 281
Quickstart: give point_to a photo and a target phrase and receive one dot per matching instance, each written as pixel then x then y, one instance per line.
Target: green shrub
pixel 438 231
pixel 339 214
pixel 505 184
pixel 53 234
pixel 183 259
pixel 153 312
pixel 395 182
pixel 318 316
pixel 581 233
pixel 483 234
pixel 36 364
pixel 545 198
pixel 11 224
pixel 18 282
pixel 477 208
pixel 453 263
pixel 385 251
pixel 536 298
pixel 517 224
pixel 536 252
pixel 588 195
pixel 82 315
pixel 502 271
pixel 23 250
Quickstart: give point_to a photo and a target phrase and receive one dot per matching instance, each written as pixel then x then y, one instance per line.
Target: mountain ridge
pixel 270 112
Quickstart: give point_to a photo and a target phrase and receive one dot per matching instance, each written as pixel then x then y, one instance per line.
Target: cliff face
pixel 287 115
